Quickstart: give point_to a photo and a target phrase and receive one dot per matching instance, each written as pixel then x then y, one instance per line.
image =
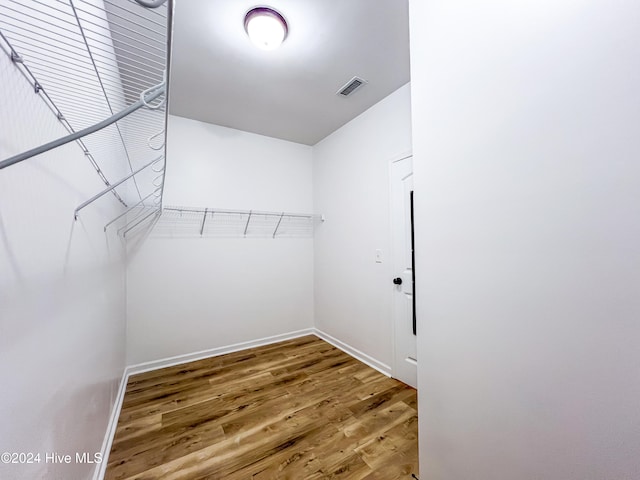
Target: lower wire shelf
pixel 178 222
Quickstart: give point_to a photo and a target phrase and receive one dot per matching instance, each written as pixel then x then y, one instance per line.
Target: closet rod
pixel 153 94
pixel 113 185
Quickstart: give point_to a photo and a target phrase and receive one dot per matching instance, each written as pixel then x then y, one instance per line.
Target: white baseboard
pixel 111 428
pixel 169 362
pixel 354 352
pixel 214 352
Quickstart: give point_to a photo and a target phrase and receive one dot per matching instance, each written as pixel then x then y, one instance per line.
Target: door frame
pixel 395 159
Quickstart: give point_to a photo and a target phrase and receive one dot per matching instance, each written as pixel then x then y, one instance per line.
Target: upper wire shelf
pixel 89 60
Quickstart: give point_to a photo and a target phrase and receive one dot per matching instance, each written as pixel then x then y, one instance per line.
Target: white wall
pixel 196 293
pixel 62 308
pixel 353 293
pixel 526 163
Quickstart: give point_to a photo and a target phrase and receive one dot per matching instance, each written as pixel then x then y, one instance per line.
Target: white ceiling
pixel 218 76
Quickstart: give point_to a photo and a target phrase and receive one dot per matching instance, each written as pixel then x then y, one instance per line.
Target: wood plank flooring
pixel 300 409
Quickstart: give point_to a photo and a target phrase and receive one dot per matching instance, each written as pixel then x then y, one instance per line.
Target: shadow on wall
pixel 9 255
pixel 61 335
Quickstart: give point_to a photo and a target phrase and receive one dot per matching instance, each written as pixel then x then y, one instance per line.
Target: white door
pixel 405 366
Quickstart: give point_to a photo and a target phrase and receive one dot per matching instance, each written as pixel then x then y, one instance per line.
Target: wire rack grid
pixel 89 59
pixel 185 222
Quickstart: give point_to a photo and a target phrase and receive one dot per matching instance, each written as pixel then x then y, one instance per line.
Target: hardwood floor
pixel 300 409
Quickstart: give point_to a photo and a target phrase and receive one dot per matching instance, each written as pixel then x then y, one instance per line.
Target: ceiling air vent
pixel 351 86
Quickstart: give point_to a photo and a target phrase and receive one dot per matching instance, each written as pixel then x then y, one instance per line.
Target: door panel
pixel 405 356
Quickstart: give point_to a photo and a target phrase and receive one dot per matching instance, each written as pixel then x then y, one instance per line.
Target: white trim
pixel 393 263
pixel 354 352
pixel 214 352
pixel 169 362
pixel 101 468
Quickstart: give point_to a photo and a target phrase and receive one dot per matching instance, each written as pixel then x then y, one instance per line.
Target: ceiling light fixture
pixel 266 28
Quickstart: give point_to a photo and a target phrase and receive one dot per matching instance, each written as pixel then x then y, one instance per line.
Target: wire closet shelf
pixel 100 66
pixel 184 222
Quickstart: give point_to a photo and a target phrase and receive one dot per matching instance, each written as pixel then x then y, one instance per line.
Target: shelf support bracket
pixel 278 225
pixel 247 225
pixel 204 219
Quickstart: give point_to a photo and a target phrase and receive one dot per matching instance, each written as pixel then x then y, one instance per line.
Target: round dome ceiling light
pixel 266 28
